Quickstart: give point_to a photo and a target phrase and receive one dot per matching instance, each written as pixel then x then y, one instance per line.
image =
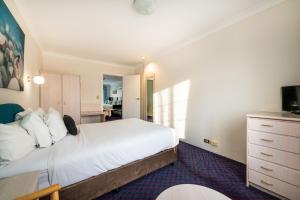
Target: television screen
pixel 291 98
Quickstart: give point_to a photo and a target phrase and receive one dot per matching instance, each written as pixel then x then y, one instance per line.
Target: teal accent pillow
pixel 8 112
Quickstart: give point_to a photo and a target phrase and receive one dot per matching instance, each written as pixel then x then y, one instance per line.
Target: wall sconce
pixel 39 80
pixel 28 79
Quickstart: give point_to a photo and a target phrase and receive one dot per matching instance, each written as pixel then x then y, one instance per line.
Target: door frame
pixel 102 83
pixel 149 77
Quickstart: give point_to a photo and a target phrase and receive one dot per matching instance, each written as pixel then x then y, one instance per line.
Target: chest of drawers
pixel 273 153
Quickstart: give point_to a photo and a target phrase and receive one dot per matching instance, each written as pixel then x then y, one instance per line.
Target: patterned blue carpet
pixel 194 166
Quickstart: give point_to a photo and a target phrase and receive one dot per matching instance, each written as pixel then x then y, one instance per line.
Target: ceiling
pixel 111 31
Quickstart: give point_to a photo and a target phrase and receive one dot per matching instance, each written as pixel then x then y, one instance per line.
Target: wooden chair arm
pixel 52 191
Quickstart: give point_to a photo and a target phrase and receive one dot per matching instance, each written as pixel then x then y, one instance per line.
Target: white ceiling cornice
pixel 71 57
pixel 226 23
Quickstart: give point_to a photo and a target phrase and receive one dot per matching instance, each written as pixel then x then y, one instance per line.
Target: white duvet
pixel 104 146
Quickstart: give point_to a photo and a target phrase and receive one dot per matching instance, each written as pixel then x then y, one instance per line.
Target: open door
pixel 149 93
pixel 131 96
pixel 112 96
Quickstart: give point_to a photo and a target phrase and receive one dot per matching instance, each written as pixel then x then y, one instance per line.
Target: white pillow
pixel 38 129
pixel 15 142
pixel 20 115
pixel 40 112
pixel 51 110
pixel 56 125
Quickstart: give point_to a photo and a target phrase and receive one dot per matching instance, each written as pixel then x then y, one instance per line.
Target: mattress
pixel 98 148
pixel 35 161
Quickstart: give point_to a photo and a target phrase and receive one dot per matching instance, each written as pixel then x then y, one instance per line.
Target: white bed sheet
pixel 35 161
pixel 98 148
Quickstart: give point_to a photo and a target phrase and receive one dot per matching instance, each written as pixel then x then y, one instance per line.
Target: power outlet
pixel 214 143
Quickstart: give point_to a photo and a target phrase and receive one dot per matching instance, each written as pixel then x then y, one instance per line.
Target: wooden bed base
pixel 98 185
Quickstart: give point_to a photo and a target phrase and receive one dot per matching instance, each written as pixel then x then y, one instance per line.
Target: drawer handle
pixel 266 140
pixel 267 169
pixel 265 154
pixel 266 125
pixel 266 183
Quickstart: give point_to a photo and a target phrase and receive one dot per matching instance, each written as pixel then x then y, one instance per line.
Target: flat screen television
pixel 291 98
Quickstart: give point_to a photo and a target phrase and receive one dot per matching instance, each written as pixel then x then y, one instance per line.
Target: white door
pixel 71 96
pixel 51 92
pixel 131 96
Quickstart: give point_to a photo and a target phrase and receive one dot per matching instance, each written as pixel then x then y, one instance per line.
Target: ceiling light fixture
pixel 145 7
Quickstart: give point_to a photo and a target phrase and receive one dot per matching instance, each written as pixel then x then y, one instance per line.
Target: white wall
pixel 90 73
pixel 206 88
pixel 32 63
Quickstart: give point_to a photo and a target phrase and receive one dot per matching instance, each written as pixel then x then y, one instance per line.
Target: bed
pixel 107 156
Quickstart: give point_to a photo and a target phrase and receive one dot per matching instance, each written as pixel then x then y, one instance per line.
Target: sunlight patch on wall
pixel 170 107
pixel 180 104
pixel 157 108
pixel 162 108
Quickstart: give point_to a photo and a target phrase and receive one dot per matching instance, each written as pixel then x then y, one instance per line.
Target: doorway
pixel 113 97
pixel 150 91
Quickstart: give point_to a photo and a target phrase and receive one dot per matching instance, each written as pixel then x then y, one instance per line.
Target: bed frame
pixel 98 185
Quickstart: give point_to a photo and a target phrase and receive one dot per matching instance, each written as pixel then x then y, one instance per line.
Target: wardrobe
pixel 62 92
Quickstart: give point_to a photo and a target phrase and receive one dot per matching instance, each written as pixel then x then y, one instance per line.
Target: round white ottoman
pixel 190 192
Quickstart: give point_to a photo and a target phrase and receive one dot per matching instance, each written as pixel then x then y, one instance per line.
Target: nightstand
pixel 19 185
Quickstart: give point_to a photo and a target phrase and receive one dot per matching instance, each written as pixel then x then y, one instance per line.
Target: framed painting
pixel 12 41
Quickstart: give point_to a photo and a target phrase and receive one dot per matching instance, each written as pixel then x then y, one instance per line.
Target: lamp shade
pixel 39 80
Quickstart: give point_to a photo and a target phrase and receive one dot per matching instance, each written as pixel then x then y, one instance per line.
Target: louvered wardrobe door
pixel 51 92
pixel 71 96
